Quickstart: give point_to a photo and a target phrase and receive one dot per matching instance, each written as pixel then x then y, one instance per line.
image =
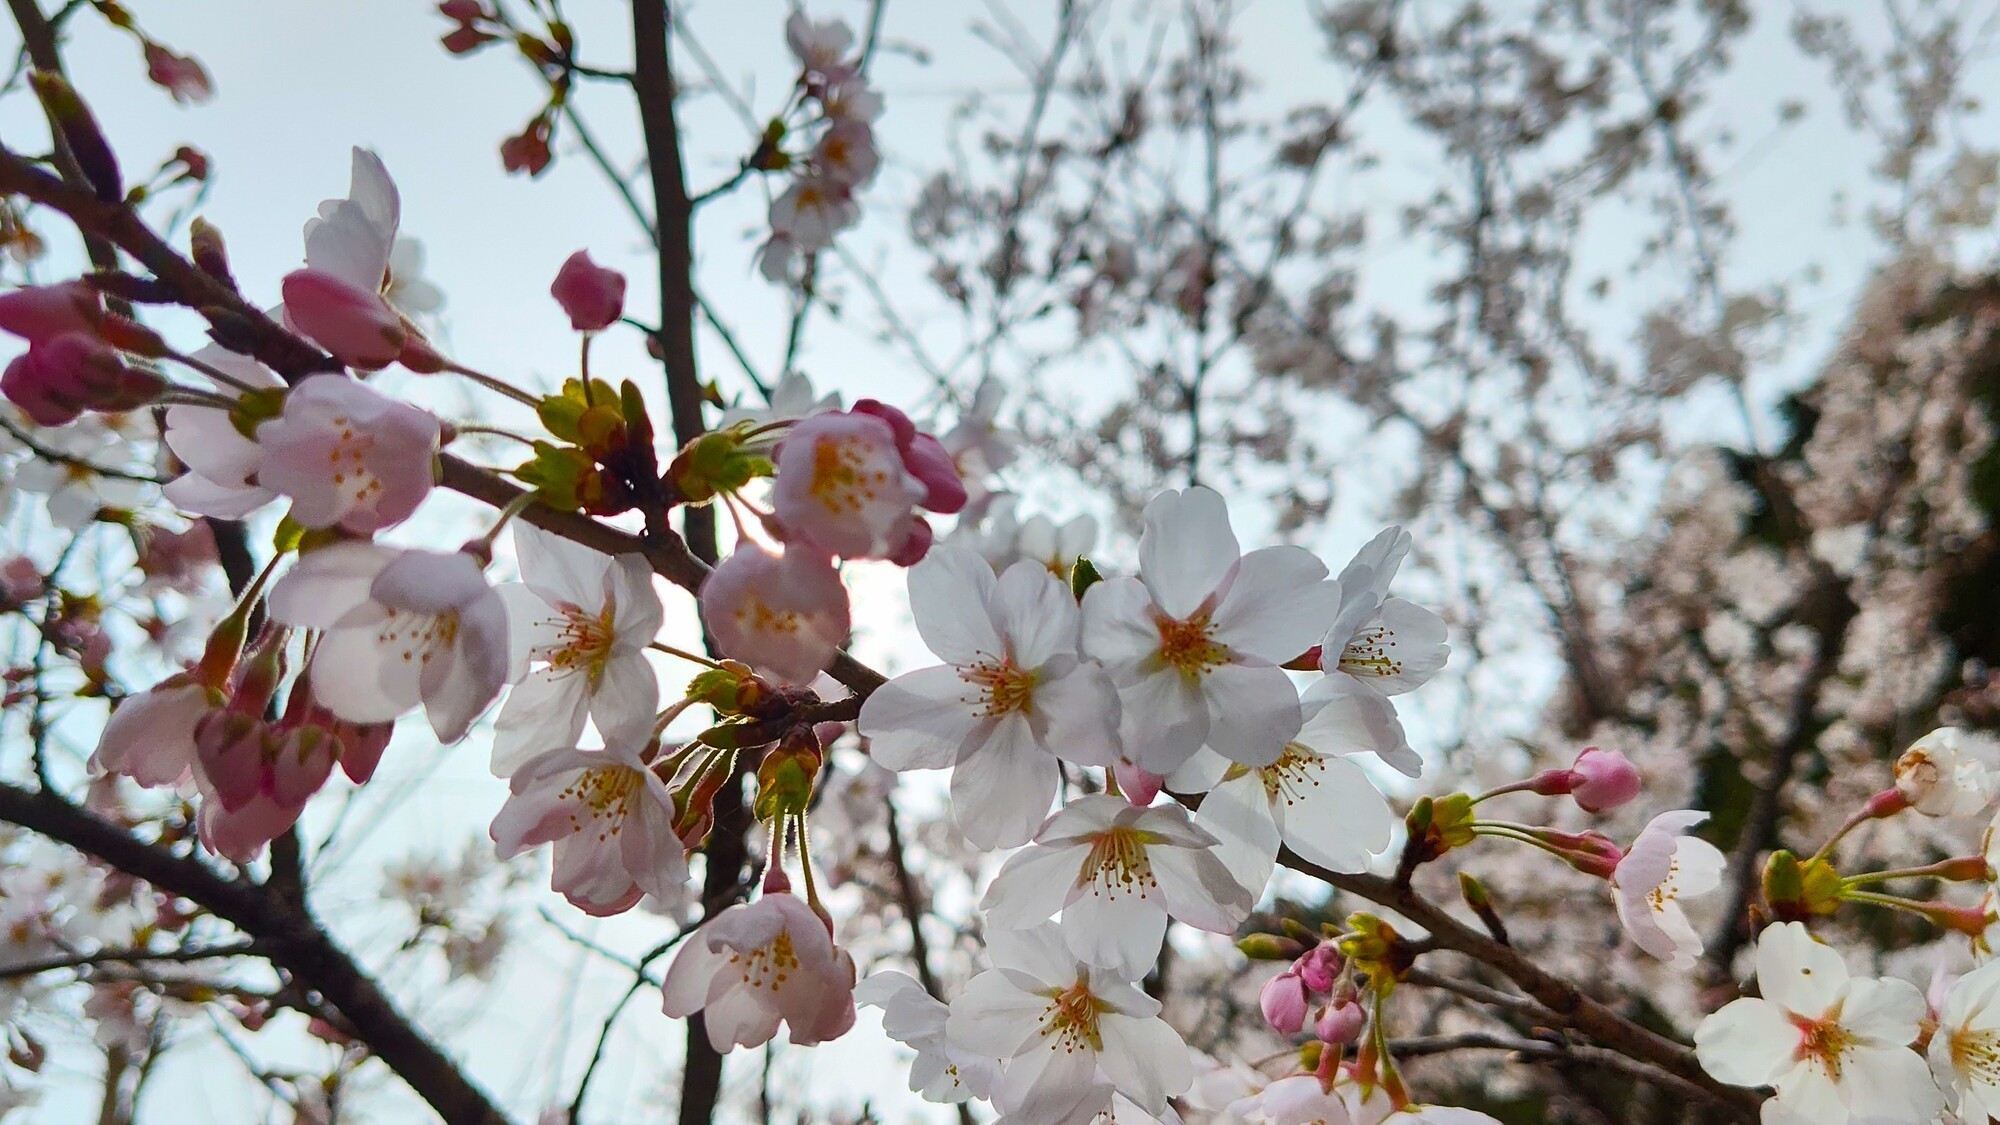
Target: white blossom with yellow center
pixel 582 620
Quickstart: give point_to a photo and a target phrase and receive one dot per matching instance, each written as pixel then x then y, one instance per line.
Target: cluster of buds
pixel 75 361
pixel 1316 990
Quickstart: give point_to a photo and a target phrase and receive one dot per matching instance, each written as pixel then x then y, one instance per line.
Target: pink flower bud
pixel 1319 966
pixel 1139 786
pixel 179 75
pixel 1340 1023
pixel 462 11
pixel 916 545
pixel 465 39
pixel 43 312
pixel 357 326
pixel 301 761
pixel 592 295
pixel 1284 1003
pixel 1606 779
pixel 230 746
pixel 528 152
pixel 63 376
pixel 361 747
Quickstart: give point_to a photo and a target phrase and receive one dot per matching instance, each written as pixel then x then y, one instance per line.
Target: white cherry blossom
pixel 221 462
pixel 1386 644
pixel 1064 1029
pixel 610 818
pixel 586 619
pixel 347 455
pixel 1314 799
pixel 1837 1048
pixel 1947 772
pixel 1965 1048
pixel 941 1072
pixel 1011 699
pixel 1195 642
pixel 1117 873
pixel 756 965
pixel 1663 865
pixel 354 239
pixel 399 628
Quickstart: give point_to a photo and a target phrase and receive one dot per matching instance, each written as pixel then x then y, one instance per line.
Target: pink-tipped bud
pixel 1319 966
pixel 465 39
pixel 462 11
pixel 915 545
pixel 301 761
pixel 1139 786
pixel 66 375
pixel 1606 779
pixel 179 75
pixel 594 297
pixel 43 312
pixel 230 746
pixel 1592 853
pixel 357 326
pixel 529 151
pixel 1340 1023
pixel 1284 1003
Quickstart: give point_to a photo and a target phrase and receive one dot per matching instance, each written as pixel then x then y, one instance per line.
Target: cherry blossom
pixel 610 818
pixel 941 1072
pixel 150 736
pixel 399 628
pixel 782 614
pixel 792 399
pixel 1836 1048
pixel 347 455
pixel 221 462
pixel 179 75
pixel 73 492
pixel 1059 1024
pixel 1117 873
pixel 851 482
pixel 586 618
pixel 1965 1048
pixel 1663 865
pixel 1194 643
pixel 62 377
pixel 1947 773
pixel 1314 799
pixel 821 46
pixel 753 966
pixel 352 322
pixel 407 288
pixel 353 239
pixel 1386 644
pixel 1011 699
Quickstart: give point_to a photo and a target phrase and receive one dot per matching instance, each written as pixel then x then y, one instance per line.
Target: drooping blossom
pixel 754 966
pixel 1965 1048
pixel 1837 1048
pixel 942 1071
pixel 399 628
pixel 150 736
pixel 593 297
pixel 221 462
pixel 1195 642
pixel 611 819
pixel 852 481
pixel 348 455
pixel 1385 644
pixel 1063 1029
pixel 781 614
pixel 1117 873
pixel 1664 865
pixel 1314 799
pixel 1947 773
pixel 1011 699
pixel 845 153
pixel 586 618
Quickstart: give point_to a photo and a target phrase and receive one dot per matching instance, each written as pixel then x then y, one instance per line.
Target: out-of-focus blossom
pixel 782 614
pixel 179 75
pixel 941 1072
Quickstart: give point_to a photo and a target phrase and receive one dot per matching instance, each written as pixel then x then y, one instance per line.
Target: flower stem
pixel 670 650
pixel 495 385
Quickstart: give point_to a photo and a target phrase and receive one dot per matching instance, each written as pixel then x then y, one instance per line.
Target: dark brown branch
pixel 283 930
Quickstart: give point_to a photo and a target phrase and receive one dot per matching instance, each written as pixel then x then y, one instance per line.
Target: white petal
pixel 949 591
pixel 350 678
pixel 560 570
pixel 1035 613
pixel 1077 714
pixel 1399 649
pixel 1119 928
pixel 1330 813
pixel 1748 1043
pixel 1187 549
pixel 1145 1060
pixel 1279 604
pixel 627 699
pixel 1163 720
pixel 1198 889
pixel 1239 815
pixel 993 1016
pixel 545 712
pixel 919 720
pixel 1254 712
pixel 1885 1010
pixel 1031 886
pixel 1002 790
pixel 327 584
pixel 1797 972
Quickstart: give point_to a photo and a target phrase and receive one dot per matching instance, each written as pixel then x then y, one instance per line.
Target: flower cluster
pixel 840 109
